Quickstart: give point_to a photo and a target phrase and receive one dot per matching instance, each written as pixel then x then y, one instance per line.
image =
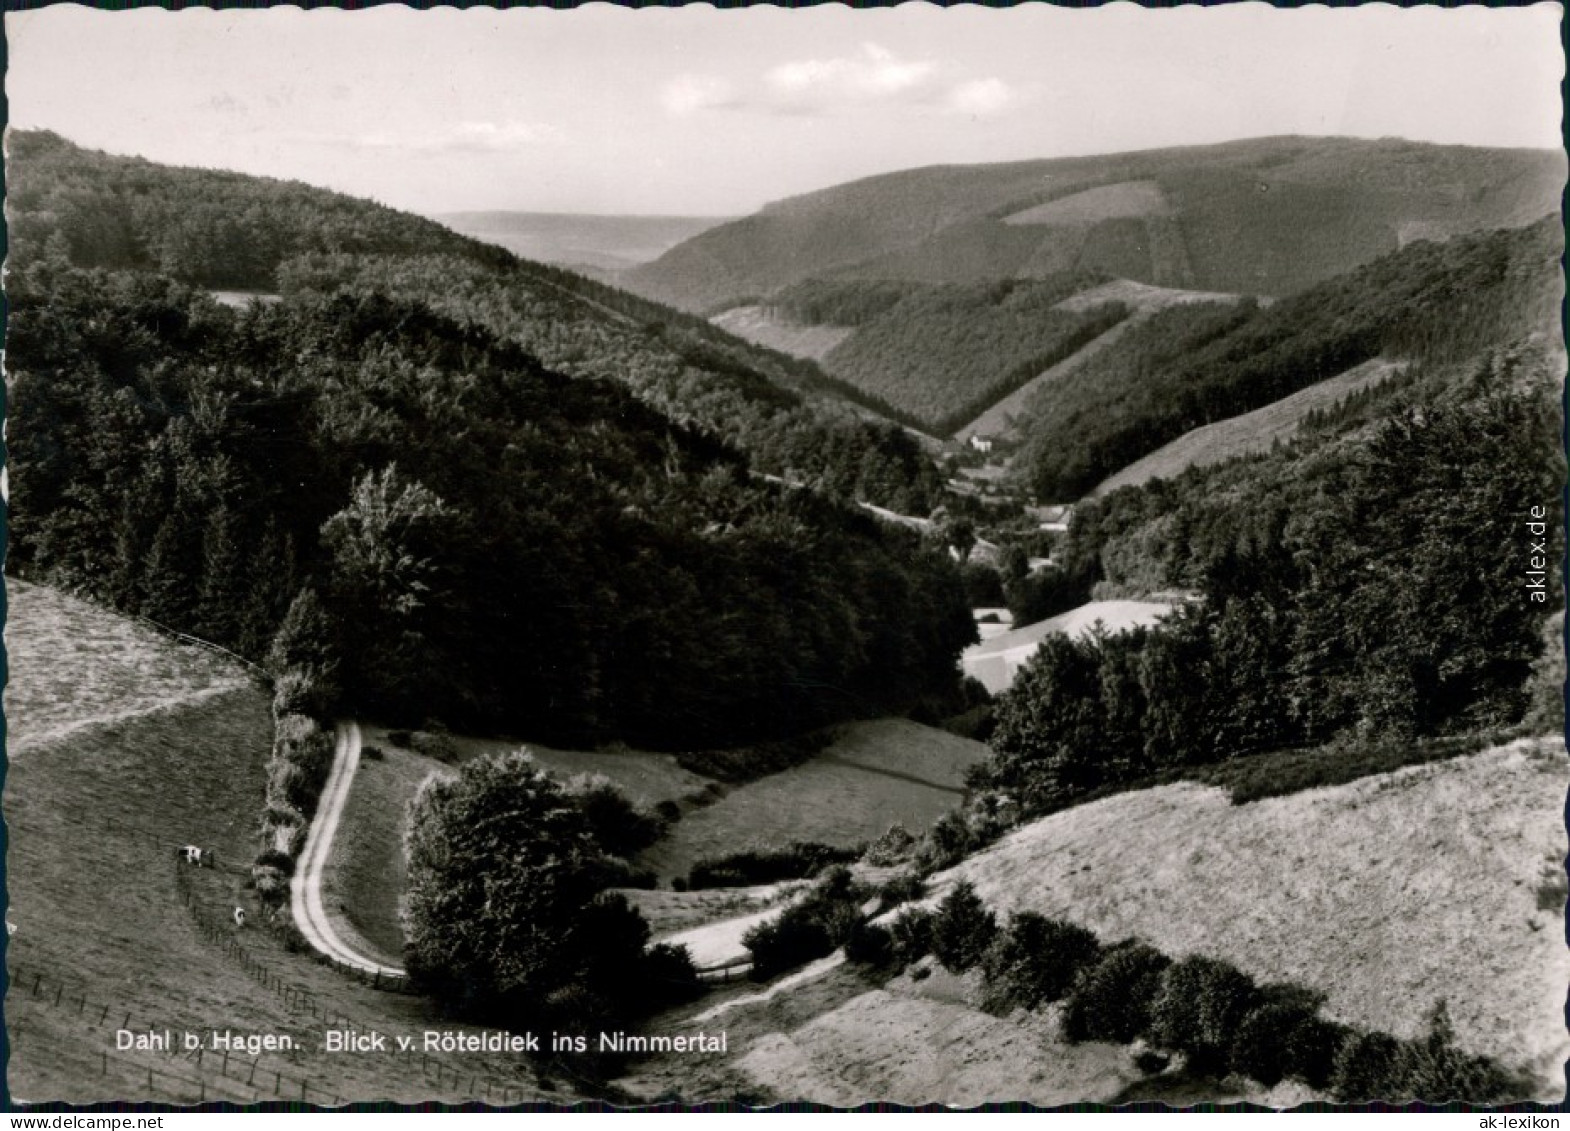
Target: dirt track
pixel 306 889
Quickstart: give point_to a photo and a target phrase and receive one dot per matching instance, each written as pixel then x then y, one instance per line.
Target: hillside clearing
pixel 1387 894
pixel 872 775
pixel 1107 202
pixel 73 664
pixel 1249 432
pixel 999 418
pixel 756 325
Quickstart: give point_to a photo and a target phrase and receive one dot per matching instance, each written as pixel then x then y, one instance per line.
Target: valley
pixel 936 630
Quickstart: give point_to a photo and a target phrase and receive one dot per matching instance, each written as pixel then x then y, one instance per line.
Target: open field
pixel 873 774
pixel 73 663
pixel 756 325
pixel 646 777
pixel 1125 200
pixel 1249 432
pixel 104 938
pixel 1387 894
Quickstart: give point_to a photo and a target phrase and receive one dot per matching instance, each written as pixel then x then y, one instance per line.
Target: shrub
pixel 1036 960
pixel 1368 1067
pixel 1434 1071
pixel 620 827
pixel 272 858
pixel 962 929
pixel 869 944
pixel 791 939
pixel 911 934
pixel 372 753
pixel 293 730
pixel 894 847
pixel 1260 1048
pixel 795 861
pixel 303 691
pixel 1111 1000
pixel 1201 1004
pixel 668 811
pixel 434 744
pixel 947 842
pixel 401 738
pixel 272 884
pixel 901 887
pixel 670 978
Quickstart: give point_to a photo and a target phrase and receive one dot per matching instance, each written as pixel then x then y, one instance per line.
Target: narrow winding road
pixel 306 889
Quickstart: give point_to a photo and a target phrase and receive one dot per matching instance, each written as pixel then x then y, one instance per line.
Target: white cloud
pixel 981 98
pixel 688 94
pixel 874 73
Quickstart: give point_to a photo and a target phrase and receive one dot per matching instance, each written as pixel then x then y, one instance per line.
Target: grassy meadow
pixel 95 810
pixel 1387 894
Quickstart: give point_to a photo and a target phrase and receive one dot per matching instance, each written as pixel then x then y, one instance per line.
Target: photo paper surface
pixel 839 556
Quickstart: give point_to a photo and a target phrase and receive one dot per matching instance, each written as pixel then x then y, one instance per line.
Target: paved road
pixel 306 889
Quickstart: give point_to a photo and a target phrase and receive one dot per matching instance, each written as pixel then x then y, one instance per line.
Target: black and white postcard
pixel 769 556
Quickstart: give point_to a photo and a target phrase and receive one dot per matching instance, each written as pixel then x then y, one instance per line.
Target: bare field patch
pixel 1387 893
pixel 72 663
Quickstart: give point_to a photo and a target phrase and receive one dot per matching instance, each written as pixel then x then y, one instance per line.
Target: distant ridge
pixel 1267 216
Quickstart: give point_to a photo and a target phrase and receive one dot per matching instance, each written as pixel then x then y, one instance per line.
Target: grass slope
pixel 94 815
pixel 1387 894
pixel 1249 432
pixel 874 774
pixel 73 664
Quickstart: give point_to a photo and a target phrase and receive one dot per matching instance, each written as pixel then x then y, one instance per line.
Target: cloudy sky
pixel 704 112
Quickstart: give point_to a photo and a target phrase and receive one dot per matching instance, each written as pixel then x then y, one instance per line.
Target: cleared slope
pixel 755 324
pixel 1387 894
pixel 1249 432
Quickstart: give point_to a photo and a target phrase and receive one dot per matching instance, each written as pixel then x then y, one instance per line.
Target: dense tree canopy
pixel 494 543
pixel 506 913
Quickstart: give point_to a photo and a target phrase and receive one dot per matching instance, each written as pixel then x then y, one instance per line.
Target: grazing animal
pixel 239 916
pixel 196 857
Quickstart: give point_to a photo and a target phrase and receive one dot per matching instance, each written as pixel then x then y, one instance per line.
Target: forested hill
pixel 1268 216
pixel 1191 366
pixel 229 231
pixel 443 527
